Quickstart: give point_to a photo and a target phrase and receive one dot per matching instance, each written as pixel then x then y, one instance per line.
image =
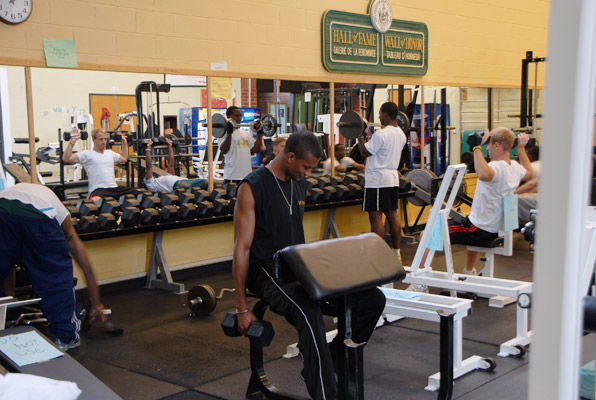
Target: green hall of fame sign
pixel 352 45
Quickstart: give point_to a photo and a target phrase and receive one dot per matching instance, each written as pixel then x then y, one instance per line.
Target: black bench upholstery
pixel 330 268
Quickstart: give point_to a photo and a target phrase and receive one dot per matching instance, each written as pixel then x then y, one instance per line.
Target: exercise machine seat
pixel 329 268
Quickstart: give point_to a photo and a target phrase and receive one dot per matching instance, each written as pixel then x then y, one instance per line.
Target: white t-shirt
pixel 162 183
pixel 237 159
pixel 100 168
pixel 40 197
pixel 345 162
pixel 487 207
pixel 536 168
pixel 381 167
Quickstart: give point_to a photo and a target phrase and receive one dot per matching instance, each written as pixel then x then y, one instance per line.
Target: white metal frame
pixel 560 251
pixel 460 282
pixel 425 307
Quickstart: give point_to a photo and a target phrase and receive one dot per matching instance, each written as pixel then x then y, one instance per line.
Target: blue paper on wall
pixel 510 212
pixel 436 236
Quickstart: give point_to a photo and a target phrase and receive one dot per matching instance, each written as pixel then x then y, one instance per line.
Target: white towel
pixel 32 387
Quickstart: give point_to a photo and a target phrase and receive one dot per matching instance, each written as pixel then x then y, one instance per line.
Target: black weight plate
pixel 403 122
pixel 421 178
pixel 351 125
pixel 206 300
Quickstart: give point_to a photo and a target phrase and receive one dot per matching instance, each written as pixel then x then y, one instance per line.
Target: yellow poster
pixel 221 88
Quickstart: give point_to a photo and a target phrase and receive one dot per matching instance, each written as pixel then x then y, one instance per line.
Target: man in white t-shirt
pixel 238 147
pixel 99 164
pixel 169 182
pixel 36 230
pixel 342 163
pixel 496 180
pixel 383 152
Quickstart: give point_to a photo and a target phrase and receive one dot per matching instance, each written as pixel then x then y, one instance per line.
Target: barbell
pixel 351 124
pixel 221 125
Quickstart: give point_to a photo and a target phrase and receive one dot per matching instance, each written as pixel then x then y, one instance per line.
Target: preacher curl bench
pixel 330 269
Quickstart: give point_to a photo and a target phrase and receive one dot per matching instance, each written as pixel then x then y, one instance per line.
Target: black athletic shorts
pixel 380 199
pixel 115 192
pixel 469 234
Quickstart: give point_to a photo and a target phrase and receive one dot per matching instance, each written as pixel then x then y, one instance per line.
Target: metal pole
pixel 209 136
pixel 31 124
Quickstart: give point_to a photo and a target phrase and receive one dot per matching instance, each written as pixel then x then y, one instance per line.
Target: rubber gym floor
pixel 165 353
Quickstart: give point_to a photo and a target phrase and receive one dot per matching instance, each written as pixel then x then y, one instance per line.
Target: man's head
pixel 388 113
pixel 340 151
pixel 533 153
pixel 301 154
pixel 100 139
pixel 234 113
pixel 278 145
pixel 500 142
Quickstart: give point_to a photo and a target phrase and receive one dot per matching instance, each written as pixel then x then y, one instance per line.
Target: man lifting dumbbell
pixel 35 229
pixel 99 164
pixel 169 182
pixel 496 180
pixel 238 146
pixel 267 218
pixel 381 185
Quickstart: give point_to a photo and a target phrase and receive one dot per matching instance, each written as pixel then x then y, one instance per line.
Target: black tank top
pixel 275 228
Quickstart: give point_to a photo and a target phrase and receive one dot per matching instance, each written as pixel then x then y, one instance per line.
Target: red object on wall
pixel 215 102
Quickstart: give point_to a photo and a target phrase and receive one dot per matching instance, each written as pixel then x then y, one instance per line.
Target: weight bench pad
pixel 329 268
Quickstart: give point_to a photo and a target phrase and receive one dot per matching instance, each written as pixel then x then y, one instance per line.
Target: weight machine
pixel 425 276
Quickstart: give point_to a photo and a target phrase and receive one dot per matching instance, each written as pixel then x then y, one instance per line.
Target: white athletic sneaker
pixel 417 288
pixel 472 272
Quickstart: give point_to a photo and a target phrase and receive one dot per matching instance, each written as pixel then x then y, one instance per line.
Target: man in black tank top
pixel 268 217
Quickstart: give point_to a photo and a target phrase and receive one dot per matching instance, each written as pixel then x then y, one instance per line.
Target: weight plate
pixel 201 300
pixel 351 125
pixel 218 123
pixel 403 122
pixel 422 178
pixel 268 125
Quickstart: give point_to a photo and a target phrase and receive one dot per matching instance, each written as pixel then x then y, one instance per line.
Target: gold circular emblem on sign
pixel 381 15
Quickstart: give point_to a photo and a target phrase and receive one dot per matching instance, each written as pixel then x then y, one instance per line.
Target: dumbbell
pixel 220 125
pixel 116 137
pixel 73 210
pixel 231 189
pixel 84 135
pixel 343 192
pixel 217 193
pixel 168 199
pixel 260 333
pixel 323 181
pixel 129 200
pixel 330 193
pixel 86 224
pixel 184 196
pixel 357 189
pixel 311 182
pixel 149 216
pixel 87 207
pixel 200 194
pixel 129 215
pixel 349 178
pixel 205 209
pixel 360 178
pixel 315 195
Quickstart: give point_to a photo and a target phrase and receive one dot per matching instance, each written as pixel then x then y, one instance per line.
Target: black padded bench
pixel 330 269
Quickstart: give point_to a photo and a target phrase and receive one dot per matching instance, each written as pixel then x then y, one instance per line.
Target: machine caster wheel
pixel 491 364
pixel 522 351
pixel 201 300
